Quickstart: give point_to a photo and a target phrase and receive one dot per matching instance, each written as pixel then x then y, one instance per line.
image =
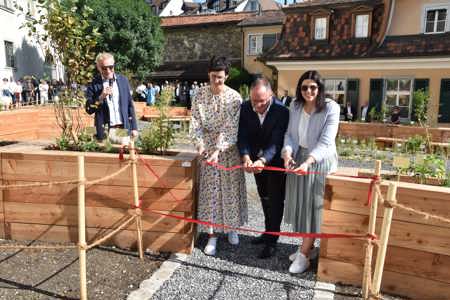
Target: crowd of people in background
pixel 28 91
pixel 183 92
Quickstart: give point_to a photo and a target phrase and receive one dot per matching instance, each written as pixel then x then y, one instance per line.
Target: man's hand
pixel 107 91
pixel 288 161
pixel 247 162
pixel 257 166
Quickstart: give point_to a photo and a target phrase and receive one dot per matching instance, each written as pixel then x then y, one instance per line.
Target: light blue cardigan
pixel 322 130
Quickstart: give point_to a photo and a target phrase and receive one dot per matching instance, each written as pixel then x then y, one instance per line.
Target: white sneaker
pixel 233 238
pixel 300 264
pixel 313 254
pixel 210 248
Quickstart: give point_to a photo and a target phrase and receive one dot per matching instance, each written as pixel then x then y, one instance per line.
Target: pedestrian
pixel 309 146
pixel 222 196
pixel 262 125
pixel 43 92
pixel 109 98
pixel 150 94
pixel 395 116
pixel 140 92
pixel 286 99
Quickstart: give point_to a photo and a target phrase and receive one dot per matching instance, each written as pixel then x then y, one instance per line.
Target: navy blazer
pixel 268 137
pixel 100 108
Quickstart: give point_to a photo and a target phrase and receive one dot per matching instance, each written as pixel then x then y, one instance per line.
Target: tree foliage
pixel 238 77
pixel 69 38
pixel 130 31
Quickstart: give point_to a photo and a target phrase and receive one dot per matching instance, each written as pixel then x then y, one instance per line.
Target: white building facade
pixel 20 54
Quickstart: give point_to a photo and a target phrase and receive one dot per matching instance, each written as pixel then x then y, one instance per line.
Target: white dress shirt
pixel 113 104
pixel 303 129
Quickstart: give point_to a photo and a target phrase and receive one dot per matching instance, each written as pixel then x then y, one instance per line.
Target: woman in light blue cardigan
pixel 309 146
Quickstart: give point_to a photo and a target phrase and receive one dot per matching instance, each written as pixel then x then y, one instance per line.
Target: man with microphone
pixel 109 98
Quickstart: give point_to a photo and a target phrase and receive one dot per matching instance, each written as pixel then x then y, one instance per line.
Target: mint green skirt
pixel 304 194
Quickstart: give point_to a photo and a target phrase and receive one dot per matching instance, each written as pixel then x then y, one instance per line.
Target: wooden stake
pixel 367 274
pixel 82 228
pixel 385 230
pixel 136 198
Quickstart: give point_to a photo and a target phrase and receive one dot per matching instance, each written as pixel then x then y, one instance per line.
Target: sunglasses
pixel 111 67
pixel 313 88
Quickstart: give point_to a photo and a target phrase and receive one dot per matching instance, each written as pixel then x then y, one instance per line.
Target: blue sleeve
pixel 242 142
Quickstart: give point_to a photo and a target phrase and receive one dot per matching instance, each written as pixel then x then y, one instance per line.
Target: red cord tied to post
pixel 374 180
pixel 121 151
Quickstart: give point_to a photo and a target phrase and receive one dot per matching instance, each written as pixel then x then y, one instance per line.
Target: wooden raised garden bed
pixel 418 255
pixel 174 113
pixel 379 130
pixel 49 213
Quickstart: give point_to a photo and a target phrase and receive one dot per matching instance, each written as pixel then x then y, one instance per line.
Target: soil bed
pixel 54 274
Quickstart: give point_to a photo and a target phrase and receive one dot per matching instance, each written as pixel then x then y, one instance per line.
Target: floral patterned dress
pixel 222 194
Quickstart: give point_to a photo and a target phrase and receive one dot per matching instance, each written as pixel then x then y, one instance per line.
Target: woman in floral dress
pixel 214 126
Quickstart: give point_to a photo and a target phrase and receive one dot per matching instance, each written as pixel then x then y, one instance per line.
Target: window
pixel 216 5
pixel 336 89
pixel 9 54
pixel 320 28
pixel 398 92
pixel 435 20
pixel 362 26
pixel 253 5
pixel 258 43
pixel 7 3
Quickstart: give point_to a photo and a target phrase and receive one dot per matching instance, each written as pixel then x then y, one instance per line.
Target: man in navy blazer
pixel 262 125
pixel 109 98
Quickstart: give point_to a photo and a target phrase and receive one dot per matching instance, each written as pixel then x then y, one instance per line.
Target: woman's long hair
pixel 315 76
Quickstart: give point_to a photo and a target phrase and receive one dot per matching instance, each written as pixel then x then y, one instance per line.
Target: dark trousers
pixel 271 189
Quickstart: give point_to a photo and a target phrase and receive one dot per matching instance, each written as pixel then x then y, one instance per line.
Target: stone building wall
pixel 201 43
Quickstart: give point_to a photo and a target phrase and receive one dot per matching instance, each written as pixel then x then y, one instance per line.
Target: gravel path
pixel 235 272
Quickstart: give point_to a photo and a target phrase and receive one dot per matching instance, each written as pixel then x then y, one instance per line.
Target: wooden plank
pixel 156 241
pixel 393 282
pixel 103 196
pixel 33 170
pixel 401 260
pixel 2 216
pixel 428 238
pixel 103 217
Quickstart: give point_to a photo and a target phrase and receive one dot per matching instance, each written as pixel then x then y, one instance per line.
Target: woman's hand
pixel 302 169
pixel 288 161
pixel 247 163
pixel 201 150
pixel 214 157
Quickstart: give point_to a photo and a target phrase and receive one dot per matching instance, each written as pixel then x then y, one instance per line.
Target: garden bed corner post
pixel 82 246
pixel 384 237
pixel 136 198
pixel 367 274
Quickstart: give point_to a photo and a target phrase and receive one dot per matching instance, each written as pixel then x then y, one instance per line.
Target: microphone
pixel 111 82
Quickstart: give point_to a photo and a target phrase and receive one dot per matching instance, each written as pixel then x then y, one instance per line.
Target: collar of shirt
pixel 264 114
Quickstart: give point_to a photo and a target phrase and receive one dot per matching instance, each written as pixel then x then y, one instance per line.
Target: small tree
pixel 68 38
pixel 421 98
pixel 243 90
pixel 238 77
pixel 159 135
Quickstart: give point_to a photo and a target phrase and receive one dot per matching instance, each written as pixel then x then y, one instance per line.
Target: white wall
pixel 173 8
pixel 29 56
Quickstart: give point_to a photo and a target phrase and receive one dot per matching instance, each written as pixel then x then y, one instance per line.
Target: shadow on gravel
pixel 246 254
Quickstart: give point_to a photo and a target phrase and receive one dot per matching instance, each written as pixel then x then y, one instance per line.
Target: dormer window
pixel 320 28
pixel 362 25
pixel 254 5
pixel 436 20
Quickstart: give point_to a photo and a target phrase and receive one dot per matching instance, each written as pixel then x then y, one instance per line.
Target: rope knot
pixel 83 246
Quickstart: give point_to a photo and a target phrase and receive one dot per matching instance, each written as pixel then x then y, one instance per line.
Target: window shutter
pixel 376 94
pixel 419 84
pixel 444 102
pixel 353 92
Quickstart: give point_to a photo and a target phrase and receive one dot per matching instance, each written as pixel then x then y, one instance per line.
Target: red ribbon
pixel 268 168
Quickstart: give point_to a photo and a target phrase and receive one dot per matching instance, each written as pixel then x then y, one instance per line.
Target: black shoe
pixel 259 240
pixel 268 251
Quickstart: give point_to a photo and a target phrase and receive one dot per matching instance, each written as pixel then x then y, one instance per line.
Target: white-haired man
pixel 109 98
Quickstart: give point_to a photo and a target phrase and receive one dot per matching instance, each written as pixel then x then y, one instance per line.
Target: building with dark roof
pixel 379 51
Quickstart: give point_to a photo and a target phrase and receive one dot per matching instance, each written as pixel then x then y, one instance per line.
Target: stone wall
pixel 201 43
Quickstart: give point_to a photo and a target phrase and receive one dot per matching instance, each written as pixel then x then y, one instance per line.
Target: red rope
pixel 269 168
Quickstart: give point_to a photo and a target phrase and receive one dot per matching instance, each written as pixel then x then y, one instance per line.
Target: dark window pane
pixel 268 41
pixel 404 112
pixel 440 26
pixel 431 15
pixel 429 27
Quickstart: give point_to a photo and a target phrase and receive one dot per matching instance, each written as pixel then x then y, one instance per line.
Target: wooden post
pixel 82 228
pixel 367 274
pixel 385 230
pixel 136 198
